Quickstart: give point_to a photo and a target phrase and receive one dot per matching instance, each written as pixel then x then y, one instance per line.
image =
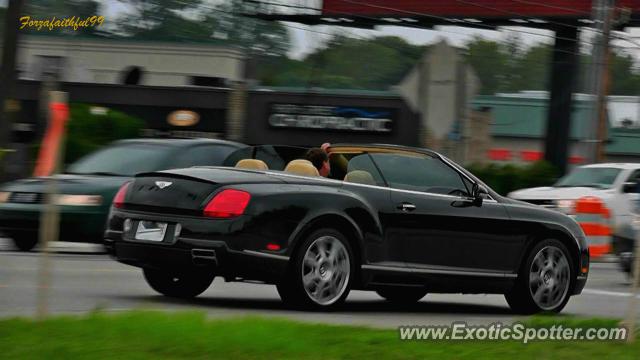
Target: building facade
pixel 518 124
pixel 106 61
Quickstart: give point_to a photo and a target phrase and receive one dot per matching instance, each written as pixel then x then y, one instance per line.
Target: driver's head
pixel 320 160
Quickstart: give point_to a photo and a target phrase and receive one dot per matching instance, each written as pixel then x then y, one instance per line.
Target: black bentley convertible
pixel 396 220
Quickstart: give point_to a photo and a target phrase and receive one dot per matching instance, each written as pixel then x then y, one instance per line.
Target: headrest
pixel 252 164
pixel 360 177
pixel 301 167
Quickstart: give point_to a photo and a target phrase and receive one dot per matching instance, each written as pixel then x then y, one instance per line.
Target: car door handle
pixel 406 207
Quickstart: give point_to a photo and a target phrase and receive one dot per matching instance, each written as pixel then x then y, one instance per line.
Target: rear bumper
pixel 188 253
pixel 581 281
pixel 233 248
pixel 77 224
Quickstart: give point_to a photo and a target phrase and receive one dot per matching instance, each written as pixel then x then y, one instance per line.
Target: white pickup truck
pixel 616 184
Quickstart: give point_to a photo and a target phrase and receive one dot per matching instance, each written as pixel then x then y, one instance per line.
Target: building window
pixel 132 75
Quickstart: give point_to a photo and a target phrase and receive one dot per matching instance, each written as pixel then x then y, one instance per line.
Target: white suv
pixel 616 184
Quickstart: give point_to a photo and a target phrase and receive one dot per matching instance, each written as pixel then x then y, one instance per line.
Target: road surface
pixel 84 280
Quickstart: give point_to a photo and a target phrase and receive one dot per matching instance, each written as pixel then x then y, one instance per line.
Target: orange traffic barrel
pixel 594 218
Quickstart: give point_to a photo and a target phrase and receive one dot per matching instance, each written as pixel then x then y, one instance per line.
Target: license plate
pixel 151 231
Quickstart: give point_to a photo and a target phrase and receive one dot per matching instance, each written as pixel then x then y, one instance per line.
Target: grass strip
pixel 190 335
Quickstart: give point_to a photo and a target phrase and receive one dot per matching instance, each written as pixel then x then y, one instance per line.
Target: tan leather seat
pixel 301 167
pixel 252 164
pixel 360 177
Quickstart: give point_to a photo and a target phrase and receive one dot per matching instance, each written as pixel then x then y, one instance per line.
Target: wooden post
pixel 8 75
pixel 236 112
pixel 50 217
pixel 635 284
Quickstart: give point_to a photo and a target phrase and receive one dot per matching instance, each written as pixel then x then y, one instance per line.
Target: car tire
pixel 25 242
pixel 545 280
pixel 402 295
pixel 320 272
pixel 184 285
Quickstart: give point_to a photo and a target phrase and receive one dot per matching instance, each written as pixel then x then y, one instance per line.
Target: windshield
pixel 598 177
pixel 122 160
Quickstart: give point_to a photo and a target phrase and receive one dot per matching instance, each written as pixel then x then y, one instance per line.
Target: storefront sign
pixel 342 118
pixel 183 118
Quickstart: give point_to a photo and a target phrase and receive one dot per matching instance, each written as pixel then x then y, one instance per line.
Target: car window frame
pixel 461 175
pixel 635 173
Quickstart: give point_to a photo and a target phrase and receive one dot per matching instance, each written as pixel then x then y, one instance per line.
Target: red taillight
pixel 273 247
pixel 228 203
pixel 118 200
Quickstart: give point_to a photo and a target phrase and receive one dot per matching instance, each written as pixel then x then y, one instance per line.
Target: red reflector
pixel 118 200
pixel 576 160
pixel 499 154
pixel 228 203
pixel 273 247
pixel 530 155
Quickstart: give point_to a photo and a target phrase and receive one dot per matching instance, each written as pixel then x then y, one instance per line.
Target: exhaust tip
pixel 204 257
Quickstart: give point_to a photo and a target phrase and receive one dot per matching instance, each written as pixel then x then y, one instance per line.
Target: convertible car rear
pixel 396 220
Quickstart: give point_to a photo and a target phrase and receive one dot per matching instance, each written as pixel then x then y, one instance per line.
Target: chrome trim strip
pixel 270 256
pixel 582 277
pixel 438 271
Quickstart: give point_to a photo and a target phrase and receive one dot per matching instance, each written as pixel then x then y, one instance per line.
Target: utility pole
pixel 8 73
pixel 603 89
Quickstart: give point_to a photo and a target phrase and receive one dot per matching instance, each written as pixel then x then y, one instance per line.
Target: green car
pixel 88 186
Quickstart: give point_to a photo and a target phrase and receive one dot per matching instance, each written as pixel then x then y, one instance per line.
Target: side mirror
pixel 630 187
pixel 479 193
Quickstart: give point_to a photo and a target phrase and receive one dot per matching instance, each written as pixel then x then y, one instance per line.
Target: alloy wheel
pixel 549 277
pixel 325 270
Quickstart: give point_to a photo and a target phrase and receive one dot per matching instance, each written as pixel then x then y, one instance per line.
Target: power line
pixel 282 5
pixel 449 31
pixel 403 51
pixel 636 44
pixel 549 6
pixel 472 23
pixel 466 34
pixel 523 15
pixel 400 50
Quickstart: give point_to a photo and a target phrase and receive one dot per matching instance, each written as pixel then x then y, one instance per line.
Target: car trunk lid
pixel 185 191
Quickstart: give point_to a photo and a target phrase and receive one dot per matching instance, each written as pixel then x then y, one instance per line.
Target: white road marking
pixel 607 293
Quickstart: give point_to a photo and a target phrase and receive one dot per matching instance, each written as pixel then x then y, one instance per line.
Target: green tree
pixel 164 20
pixel 260 38
pixel 533 68
pixel 45 9
pixel 625 79
pixel 87 132
pixel 202 21
pixel 489 61
pixel 345 62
